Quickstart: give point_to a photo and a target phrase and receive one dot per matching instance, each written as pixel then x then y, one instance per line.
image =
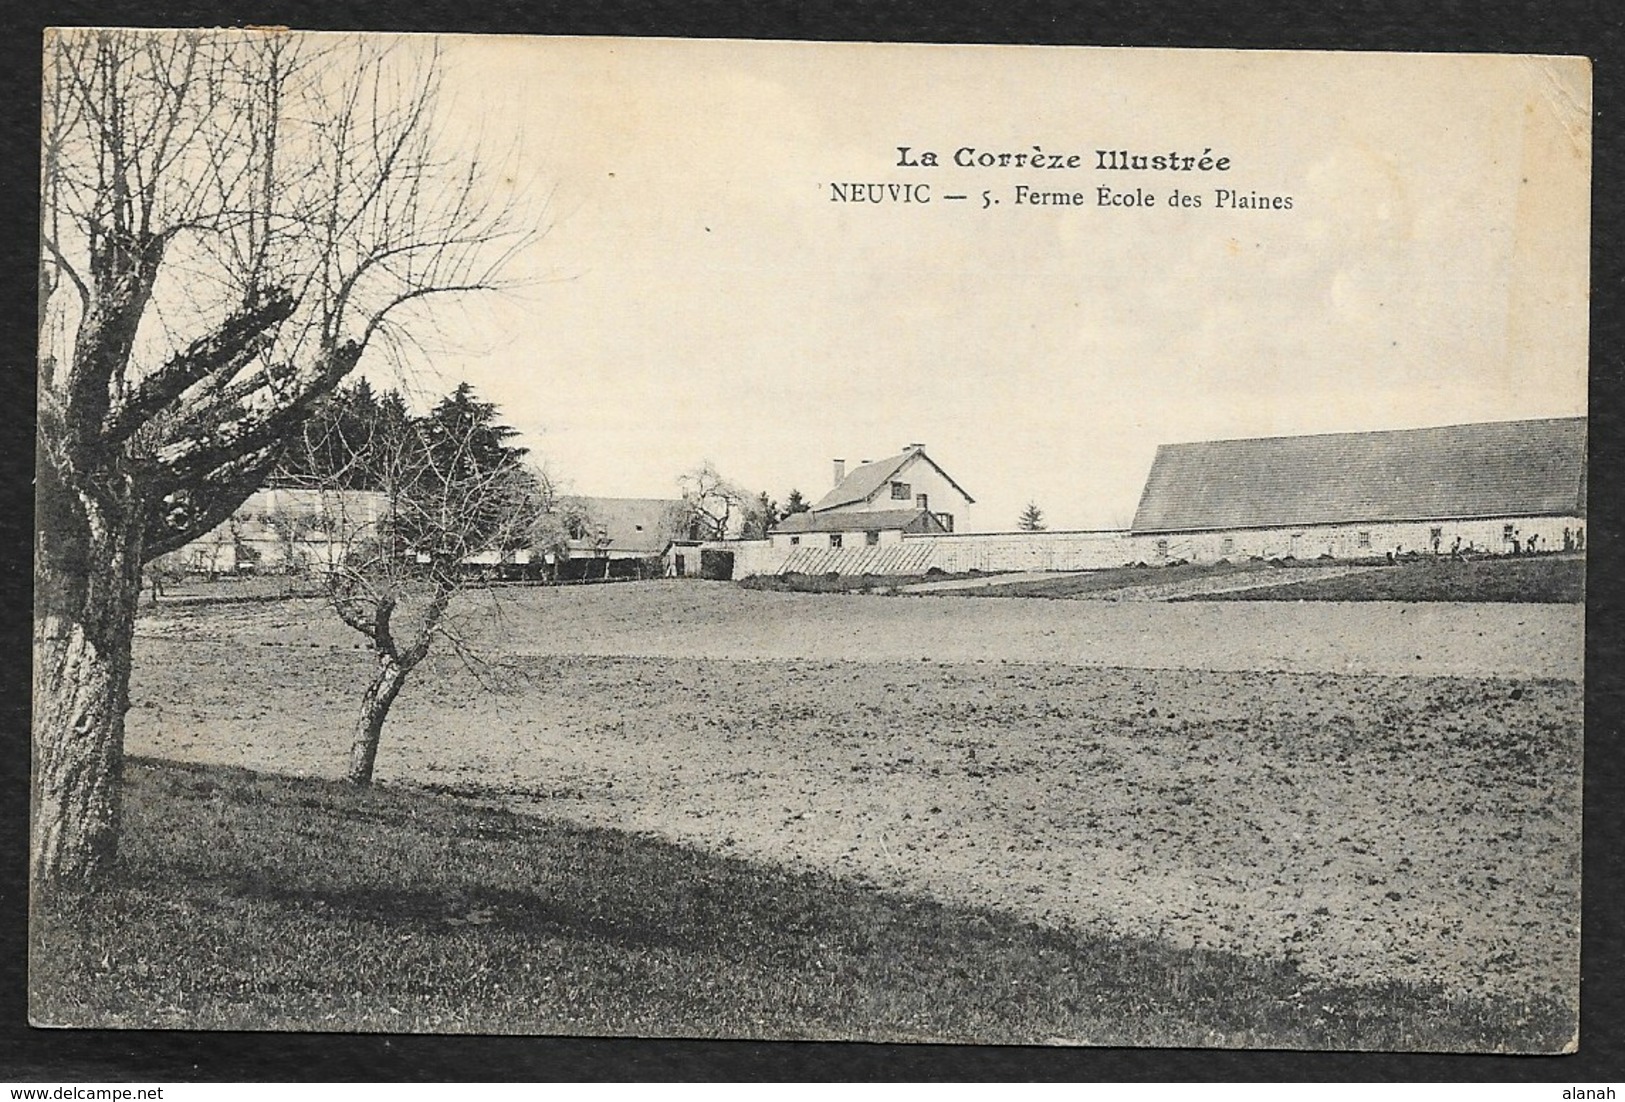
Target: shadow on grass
pixel 256 901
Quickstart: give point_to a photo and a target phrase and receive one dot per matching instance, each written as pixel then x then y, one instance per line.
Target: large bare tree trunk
pixel 88 583
pixel 375 704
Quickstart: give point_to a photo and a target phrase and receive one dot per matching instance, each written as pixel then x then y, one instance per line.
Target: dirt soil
pixel 1114 766
pixel 683 619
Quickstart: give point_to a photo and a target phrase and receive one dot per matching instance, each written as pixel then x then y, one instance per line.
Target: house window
pixel 947 520
pixel 901 491
pixel 1362 539
pixel 834 539
pixel 1507 532
pixel 922 501
pixel 1227 545
pixel 795 541
pixel 871 537
pixel 1162 548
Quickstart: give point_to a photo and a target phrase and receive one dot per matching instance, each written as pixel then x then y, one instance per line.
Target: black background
pixel 52 1057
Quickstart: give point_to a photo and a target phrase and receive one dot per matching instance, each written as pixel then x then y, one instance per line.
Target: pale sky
pixel 698 295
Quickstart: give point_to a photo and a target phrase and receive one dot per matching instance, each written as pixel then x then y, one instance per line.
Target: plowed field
pixel 1380 792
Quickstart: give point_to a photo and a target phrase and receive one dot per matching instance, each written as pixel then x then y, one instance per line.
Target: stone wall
pixel 1358 541
pixel 1002 551
pixel 992 552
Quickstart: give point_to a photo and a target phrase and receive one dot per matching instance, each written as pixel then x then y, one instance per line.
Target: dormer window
pixel 901 491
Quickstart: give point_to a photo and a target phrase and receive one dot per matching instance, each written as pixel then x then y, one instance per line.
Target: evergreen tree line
pixel 339 446
pixel 361 439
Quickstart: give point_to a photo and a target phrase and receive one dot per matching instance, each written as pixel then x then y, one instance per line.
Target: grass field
pixel 247 899
pixel 1555 578
pixel 883 584
pixel 1160 850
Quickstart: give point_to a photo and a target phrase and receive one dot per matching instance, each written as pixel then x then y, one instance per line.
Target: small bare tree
pixel 230 220
pixel 710 502
pixel 449 497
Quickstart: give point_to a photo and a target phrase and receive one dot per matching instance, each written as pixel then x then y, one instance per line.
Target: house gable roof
pixel 632 524
pixel 1493 469
pixel 835 520
pixel 866 481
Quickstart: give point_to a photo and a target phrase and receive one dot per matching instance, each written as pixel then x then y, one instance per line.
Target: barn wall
pixel 1344 541
pixel 850 537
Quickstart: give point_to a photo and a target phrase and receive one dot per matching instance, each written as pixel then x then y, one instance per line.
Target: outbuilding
pixel 1499 487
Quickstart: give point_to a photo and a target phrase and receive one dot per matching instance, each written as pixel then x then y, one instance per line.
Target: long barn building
pixel 1489 487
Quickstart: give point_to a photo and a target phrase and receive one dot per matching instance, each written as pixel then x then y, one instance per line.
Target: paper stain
pixel 1570 105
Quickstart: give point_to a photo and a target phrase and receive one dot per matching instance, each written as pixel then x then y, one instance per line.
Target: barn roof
pixel 854 520
pixel 861 484
pixel 632 524
pixel 1494 469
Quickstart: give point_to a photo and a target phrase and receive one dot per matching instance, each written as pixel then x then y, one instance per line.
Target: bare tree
pixel 553 523
pixel 448 502
pixel 710 502
pixel 230 221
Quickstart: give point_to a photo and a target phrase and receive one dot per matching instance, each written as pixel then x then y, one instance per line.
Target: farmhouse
pixel 905 493
pixel 859 525
pixel 284 530
pixel 1500 487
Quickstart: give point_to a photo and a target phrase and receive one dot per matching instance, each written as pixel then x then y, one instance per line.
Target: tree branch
pixel 222 352
pixel 182 460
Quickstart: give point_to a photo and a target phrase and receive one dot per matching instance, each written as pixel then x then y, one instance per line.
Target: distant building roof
pixel 864 482
pixel 1494 469
pixel 907 520
pixel 625 524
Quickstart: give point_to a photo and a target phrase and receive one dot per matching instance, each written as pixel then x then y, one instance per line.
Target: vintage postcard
pixel 739 539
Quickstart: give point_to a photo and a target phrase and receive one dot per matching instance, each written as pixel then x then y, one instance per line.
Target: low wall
pixel 954 553
pixel 755 556
pixel 962 552
pixel 991 552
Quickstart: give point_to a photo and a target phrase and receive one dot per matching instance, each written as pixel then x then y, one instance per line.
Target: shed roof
pixel 852 520
pixel 1491 469
pixel 862 483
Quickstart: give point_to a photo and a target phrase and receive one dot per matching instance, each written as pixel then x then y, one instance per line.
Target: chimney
pixel 840 471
